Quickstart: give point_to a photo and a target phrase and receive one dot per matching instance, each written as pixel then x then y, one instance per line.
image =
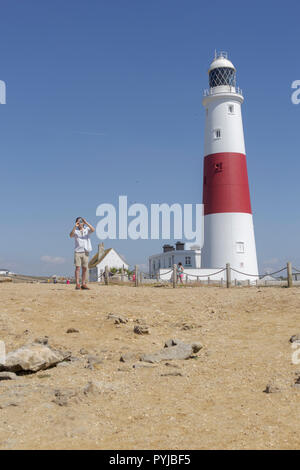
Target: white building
pixel 108 257
pixel 190 259
pixel 4 272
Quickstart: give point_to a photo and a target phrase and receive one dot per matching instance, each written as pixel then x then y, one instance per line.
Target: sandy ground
pixel 217 401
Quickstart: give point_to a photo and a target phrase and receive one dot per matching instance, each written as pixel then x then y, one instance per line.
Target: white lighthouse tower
pixel 228 222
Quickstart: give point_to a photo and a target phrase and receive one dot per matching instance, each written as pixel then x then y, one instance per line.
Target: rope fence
pixel 175 277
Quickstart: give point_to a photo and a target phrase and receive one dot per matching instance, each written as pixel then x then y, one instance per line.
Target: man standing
pixel 83 247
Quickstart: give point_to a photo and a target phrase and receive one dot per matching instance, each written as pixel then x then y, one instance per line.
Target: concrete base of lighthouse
pixel 229 238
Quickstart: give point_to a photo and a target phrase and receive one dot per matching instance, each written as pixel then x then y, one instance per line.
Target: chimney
pixel 179 246
pixel 100 250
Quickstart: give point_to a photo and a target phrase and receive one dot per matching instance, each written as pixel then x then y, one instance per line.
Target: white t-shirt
pixel 82 240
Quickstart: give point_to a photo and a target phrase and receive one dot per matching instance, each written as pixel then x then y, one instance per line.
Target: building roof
pixel 95 261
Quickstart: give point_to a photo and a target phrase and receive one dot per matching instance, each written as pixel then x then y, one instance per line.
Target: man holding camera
pixel 81 233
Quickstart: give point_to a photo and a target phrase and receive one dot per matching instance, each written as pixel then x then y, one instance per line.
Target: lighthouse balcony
pixel 220 90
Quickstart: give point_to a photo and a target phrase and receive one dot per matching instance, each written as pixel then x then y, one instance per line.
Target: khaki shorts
pixel 81 259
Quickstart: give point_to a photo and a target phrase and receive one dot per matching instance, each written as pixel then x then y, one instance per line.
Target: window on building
pixel 240 247
pixel 231 109
pixel 188 261
pixel 218 167
pixel 217 133
pixel 170 262
pixel 154 266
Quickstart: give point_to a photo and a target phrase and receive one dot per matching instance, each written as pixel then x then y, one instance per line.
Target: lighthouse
pixel 228 222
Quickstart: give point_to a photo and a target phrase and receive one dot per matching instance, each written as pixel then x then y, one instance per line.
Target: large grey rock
pixel 32 358
pixel 173 350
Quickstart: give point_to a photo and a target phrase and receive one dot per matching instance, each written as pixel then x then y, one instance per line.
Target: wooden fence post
pixel 136 281
pixel 228 275
pixel 106 277
pixel 122 274
pixel 289 274
pixel 174 275
pixel 141 278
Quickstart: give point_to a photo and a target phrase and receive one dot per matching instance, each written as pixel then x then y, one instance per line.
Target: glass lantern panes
pixel 222 76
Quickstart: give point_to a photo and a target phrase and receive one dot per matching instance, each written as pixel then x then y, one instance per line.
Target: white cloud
pixel 53 259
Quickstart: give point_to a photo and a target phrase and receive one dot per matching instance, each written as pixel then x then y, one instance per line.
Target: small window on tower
pixel 217 133
pixel 240 247
pixel 218 167
pixel 231 109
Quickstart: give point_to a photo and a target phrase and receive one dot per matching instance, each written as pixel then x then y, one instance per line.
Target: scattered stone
pixel 42 340
pixel 32 358
pixel 72 330
pixel 174 350
pixel 130 356
pixel 26 309
pixel 62 398
pixel 94 387
pixel 83 351
pixel 295 338
pixel 169 364
pixel 146 365
pixel 172 374
pixel 272 388
pixel 117 318
pixel 187 327
pixel 93 362
pixel 141 330
pixel 124 369
pixel 6 405
pixel 8 376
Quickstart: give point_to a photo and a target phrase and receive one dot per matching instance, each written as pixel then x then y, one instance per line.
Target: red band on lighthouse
pixel 225 184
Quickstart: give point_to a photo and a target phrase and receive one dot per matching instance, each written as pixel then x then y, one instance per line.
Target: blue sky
pixel 104 98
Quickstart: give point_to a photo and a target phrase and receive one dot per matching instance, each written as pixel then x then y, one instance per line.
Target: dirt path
pixel 214 401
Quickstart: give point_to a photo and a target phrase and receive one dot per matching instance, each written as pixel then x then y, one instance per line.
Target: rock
pixel 124 369
pixel 130 357
pixel 174 350
pixel 187 327
pixel 94 387
pixel 8 376
pixel 295 338
pixel 83 351
pixel 42 340
pixel 169 364
pixel 272 388
pixel 62 397
pixel 93 362
pixel 172 374
pixel 26 309
pixel 117 318
pixel 141 330
pixel 72 330
pixel 146 365
pixel 32 358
